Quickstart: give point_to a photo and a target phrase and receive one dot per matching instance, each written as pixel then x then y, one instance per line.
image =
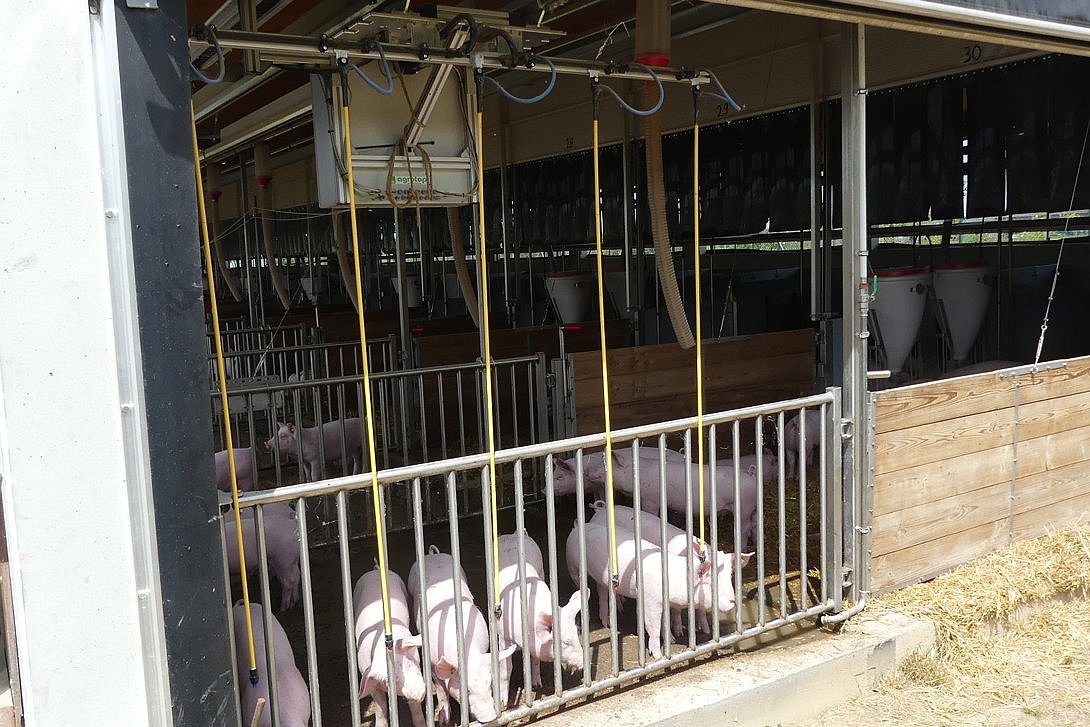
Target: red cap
pixel 416 329
pixel 899 272
pixel 215 195
pixel 264 180
pixel 572 327
pixel 655 60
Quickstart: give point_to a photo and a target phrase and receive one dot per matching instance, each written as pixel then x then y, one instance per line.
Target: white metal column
pixel 73 445
pixel 856 299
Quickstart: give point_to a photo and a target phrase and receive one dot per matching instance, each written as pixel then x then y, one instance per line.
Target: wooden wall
pixel 946 472
pixel 655 383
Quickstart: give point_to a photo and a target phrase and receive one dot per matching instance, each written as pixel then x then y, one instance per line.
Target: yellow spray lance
pixel 202 212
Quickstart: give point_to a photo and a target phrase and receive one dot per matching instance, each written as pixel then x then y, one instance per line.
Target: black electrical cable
pixel 210 36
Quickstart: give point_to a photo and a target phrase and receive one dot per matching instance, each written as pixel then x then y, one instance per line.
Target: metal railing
pixel 798 528
pixel 314 361
pixel 251 339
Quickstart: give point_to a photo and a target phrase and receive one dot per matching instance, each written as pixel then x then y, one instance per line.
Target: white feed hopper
pixel 414 296
pixel 899 305
pixel 571 293
pixel 964 289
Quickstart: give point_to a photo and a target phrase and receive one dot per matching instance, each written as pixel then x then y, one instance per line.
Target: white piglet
pixel 292 440
pixel 629 555
pixel 678 542
pixel 375 681
pixel 792 440
pixel 281 546
pixel 291 689
pixel 444 583
pixel 245 470
pixel 542 629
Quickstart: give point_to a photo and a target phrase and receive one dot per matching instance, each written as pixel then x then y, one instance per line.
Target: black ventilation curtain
pixel 834 167
pixel 674 151
pixel 912 199
pixel 731 150
pixel 755 183
pixel 1027 130
pixel 789 162
pixel 987 96
pixel 611 177
pixel 882 158
pixel 711 181
pixel 943 165
pixel 1070 113
pixel 493 208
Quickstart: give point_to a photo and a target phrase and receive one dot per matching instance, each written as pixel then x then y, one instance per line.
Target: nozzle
pixel 253 677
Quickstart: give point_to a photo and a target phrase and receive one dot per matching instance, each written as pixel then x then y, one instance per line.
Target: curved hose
pixel 664 259
pixel 526 101
pixel 225 274
pixel 722 95
pixel 210 32
pixel 348 271
pixel 458 247
pixel 631 109
pixel 385 71
pixel 470 22
pixel 270 253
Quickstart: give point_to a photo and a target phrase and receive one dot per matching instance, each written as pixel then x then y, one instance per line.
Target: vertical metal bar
pixel 835 499
pixel 803 538
pixel 442 413
pixel 461 414
pixel 493 623
pixel 690 596
pixel 403 296
pixel 759 438
pixel 266 613
pixel 713 532
pixel 663 561
pixel 346 599
pixel 581 524
pixel 308 612
pixel 514 407
pixel 641 632
pixel 736 456
pixel 459 614
pixel 422 615
pixel 403 414
pixel 524 601
pixel 231 635
pixel 419 378
pixel 550 536
pixel 781 507
pixel 825 455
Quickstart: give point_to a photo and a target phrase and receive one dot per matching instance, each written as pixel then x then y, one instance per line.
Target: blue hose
pixel 635 111
pixel 722 95
pixel 511 97
pixel 385 71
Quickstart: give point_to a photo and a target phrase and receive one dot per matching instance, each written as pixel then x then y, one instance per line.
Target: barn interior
pixel 972 152
pixel 680 225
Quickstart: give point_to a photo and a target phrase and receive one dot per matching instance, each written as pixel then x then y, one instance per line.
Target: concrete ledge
pixel 776 685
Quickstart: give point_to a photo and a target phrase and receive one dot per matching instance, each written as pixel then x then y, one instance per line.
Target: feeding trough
pixel 571 294
pixel 964 289
pixel 899 305
pixel 413 294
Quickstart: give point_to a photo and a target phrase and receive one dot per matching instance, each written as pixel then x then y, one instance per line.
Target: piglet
pixel 792 440
pixel 245 469
pixel 542 629
pixel 629 555
pixel 291 439
pixel 445 582
pixel 293 698
pixel 678 542
pixel 371 646
pixel 564 472
pixel 281 546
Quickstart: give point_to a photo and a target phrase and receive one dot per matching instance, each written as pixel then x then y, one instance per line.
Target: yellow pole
pixel 380 536
pixel 698 336
pixel 605 366
pixel 202 212
pixel 482 260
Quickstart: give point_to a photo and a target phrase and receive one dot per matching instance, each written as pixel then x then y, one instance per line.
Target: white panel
pixel 78 549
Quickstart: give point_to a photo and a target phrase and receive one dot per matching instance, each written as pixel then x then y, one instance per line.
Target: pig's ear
pixel 598 505
pixel 432 550
pixel 743 558
pixel 291 428
pixel 545 622
pixel 368 683
pixel 507 652
pixel 574 603
pixel 564 464
pixel 444 669
pixel 407 644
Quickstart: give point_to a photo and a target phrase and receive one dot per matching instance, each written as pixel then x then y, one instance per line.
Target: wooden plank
pixel 666 383
pixel 587 365
pixel 1038 522
pixel 933 481
pixel 912 406
pixel 932 520
pixel 909 564
pixel 976 433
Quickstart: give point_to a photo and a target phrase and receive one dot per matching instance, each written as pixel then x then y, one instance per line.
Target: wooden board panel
pixel 464 347
pixel 909 564
pixel 657 383
pixel 912 406
pixel 976 433
pixel 936 480
pixel 932 520
pixel 1035 523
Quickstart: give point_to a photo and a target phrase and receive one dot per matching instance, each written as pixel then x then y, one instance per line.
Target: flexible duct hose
pixel 664 259
pixel 348 270
pixel 458 245
pixel 270 255
pixel 214 218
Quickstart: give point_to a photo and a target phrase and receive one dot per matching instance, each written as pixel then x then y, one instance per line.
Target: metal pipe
pixel 459 607
pixel 581 524
pixel 641 641
pixel 403 292
pixel 550 535
pixel 346 600
pixel 422 616
pixel 664 565
pixel 524 603
pixel 308 612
